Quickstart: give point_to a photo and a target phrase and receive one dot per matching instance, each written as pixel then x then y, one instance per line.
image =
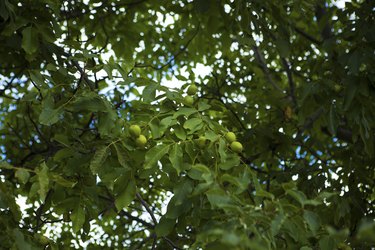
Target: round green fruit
pixel 189 100
pixel 141 141
pixel 192 90
pixel 337 88
pixel 42 239
pixel 230 136
pixel 202 142
pixel 236 146
pixel 135 130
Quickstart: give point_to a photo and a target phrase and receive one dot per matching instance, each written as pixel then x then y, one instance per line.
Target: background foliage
pixel 294 80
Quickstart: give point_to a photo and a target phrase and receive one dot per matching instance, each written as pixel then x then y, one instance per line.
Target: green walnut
pixel 141 141
pixel 42 239
pixel 135 130
pixel 192 90
pixel 189 100
pixel 230 136
pixel 337 88
pixel 202 141
pixel 236 146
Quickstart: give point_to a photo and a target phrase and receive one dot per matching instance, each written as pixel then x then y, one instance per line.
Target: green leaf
pixel 30 40
pixel 277 222
pixel 193 124
pixel 149 92
pixel 184 112
pixel 98 159
pixel 366 230
pixel 43 180
pixel 22 175
pixel 333 123
pixel 155 154
pixel 127 196
pixel 179 132
pixel 165 123
pixel 283 47
pixel 211 135
pixel 5 165
pixel 62 181
pixel 234 181
pixel 298 195
pixel 121 154
pixel 155 128
pixel 350 92
pixel 78 218
pixel 354 62
pixel 229 162
pixel 158 128
pixel 175 157
pixel 20 241
pixel 218 197
pixel 88 101
pixel 222 150
pixel 49 114
pixel 312 220
pixel 106 122
pixel 165 226
pixel 326 243
pixel 260 192
pixel 37 78
pixel 181 191
pixel 202 105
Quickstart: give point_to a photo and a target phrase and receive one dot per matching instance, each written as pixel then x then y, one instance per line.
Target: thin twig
pixel 292 85
pixel 132 217
pixel 173 57
pixel 265 69
pixel 307 36
pixel 147 207
pixel 149 211
pixel 171 243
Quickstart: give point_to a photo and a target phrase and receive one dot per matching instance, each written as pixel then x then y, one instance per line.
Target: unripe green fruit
pixel 236 146
pixel 192 90
pixel 230 136
pixel 135 130
pixel 337 88
pixel 189 100
pixel 42 239
pixel 343 246
pixel 202 141
pixel 141 141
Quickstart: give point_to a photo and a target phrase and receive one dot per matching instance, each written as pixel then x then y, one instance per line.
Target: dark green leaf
pixel 155 154
pixel 30 40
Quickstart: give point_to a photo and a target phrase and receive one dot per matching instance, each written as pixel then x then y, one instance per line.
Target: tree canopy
pixel 111 139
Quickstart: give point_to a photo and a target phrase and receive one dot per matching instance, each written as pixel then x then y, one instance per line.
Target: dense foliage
pixel 105 155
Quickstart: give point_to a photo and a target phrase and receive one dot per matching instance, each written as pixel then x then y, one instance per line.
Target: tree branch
pixel 173 57
pixel 292 85
pixel 132 217
pixel 147 207
pixel 307 36
pixel 149 211
pixel 261 61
